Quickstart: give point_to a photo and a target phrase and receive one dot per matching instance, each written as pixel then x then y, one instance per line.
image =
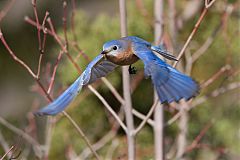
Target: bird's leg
pixel 132 70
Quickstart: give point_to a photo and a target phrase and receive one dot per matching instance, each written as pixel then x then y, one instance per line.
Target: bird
pixel 171 85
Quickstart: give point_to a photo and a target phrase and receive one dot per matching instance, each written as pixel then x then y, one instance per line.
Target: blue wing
pixel 98 68
pixel 171 85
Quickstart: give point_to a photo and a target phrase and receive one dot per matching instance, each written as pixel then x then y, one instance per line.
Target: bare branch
pixel 191 36
pixel 146 118
pixel 41 86
pixel 200 100
pixel 64 49
pixel 21 133
pixel 41 44
pixel 54 72
pixel 142 116
pixel 183 126
pixel 7 152
pixel 126 87
pixel 4 144
pixel 192 33
pixel 159 111
pixel 199 137
pixel 215 76
pixel 6 8
pixel 64 19
pixel 228 10
pixel 82 134
pixel 73 20
pixel 15 57
pixel 108 107
pixel 209 3
pixel 105 139
pixel 113 90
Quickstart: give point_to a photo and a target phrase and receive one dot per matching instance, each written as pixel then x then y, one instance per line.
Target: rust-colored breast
pixel 125 57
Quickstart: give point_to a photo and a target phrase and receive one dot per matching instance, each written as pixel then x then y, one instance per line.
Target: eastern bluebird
pixel 171 85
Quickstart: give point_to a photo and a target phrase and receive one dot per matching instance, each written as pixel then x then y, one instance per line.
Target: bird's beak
pixel 104 52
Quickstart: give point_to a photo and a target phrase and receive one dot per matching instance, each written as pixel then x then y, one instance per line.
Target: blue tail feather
pixel 174 92
pixel 176 87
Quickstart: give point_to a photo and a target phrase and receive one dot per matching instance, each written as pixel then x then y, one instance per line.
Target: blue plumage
pixel 171 85
pixel 63 100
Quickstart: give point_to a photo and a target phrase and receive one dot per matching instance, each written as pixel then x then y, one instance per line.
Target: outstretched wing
pixel 171 85
pixel 96 69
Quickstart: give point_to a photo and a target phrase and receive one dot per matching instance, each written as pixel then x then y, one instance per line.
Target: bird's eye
pixel 115 48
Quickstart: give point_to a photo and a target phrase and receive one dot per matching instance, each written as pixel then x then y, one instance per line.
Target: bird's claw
pixel 132 70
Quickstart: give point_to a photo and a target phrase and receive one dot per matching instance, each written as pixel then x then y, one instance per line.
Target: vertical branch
pixel 183 123
pixel 159 112
pixel 72 20
pixel 38 25
pixel 183 126
pixel 172 21
pixel 126 87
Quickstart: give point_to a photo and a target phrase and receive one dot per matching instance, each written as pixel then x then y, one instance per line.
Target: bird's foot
pixel 132 70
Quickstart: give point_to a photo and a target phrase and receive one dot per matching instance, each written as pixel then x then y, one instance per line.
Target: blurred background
pixel 215 47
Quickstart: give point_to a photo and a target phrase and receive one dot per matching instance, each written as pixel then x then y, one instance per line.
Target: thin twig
pixel 42 47
pixel 172 21
pixel 64 19
pixel 101 143
pixel 215 76
pixel 108 107
pixel 33 23
pixel 82 134
pixel 172 120
pixel 52 33
pixel 37 21
pixel 35 78
pixel 73 20
pixel 142 116
pixel 21 133
pixel 54 72
pixel 75 41
pixel 59 41
pixel 200 100
pixel 6 8
pixel 228 10
pixel 7 152
pixel 14 56
pixel 191 35
pixel 207 5
pixel 113 90
pixel 105 139
pixel 199 137
pixel 215 93
pixel 137 130
pixel 4 143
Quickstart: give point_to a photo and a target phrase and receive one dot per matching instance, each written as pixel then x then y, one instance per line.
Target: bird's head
pixel 114 47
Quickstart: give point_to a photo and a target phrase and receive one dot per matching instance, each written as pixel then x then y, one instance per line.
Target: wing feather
pixel 96 69
pixel 171 85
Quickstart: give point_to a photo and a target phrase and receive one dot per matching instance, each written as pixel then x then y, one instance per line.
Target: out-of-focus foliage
pixel 222 111
pixel 91 115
